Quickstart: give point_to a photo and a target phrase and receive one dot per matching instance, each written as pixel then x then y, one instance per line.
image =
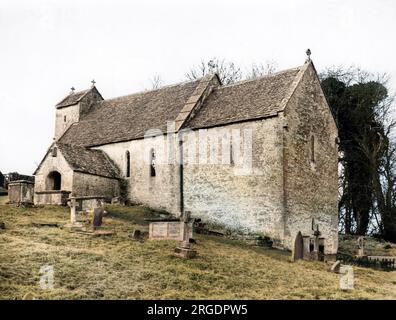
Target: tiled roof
pixel 72 98
pixel 250 99
pixel 91 161
pixel 129 117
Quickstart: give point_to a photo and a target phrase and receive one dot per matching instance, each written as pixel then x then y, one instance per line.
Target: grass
pixel 117 267
pixel 372 246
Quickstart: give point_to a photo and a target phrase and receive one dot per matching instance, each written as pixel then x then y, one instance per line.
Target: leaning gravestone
pixel 98 217
pixel 336 266
pixel 298 252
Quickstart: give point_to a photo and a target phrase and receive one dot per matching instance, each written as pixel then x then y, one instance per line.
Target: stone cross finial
pixel 308 52
pixel 93 83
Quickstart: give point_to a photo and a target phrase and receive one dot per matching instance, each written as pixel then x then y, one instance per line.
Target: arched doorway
pixel 54 181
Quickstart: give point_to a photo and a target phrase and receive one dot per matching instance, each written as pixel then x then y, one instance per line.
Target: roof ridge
pixel 83 93
pixel 260 77
pixel 152 90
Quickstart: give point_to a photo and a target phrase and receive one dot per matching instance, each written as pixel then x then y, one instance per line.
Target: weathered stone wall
pixel 160 192
pixel 86 103
pixel 231 194
pixel 72 114
pixel 311 187
pixel 91 185
pixel 49 164
pixel 51 197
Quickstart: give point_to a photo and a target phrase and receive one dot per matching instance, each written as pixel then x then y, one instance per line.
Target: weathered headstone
pixel 298 252
pixel 360 243
pixel 72 204
pixel 98 216
pixel 169 230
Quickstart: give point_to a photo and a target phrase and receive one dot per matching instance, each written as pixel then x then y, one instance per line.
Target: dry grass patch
pixel 117 267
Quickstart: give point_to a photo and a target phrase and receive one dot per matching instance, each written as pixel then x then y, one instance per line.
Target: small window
pixel 64 118
pixel 152 163
pixel 231 154
pixel 128 164
pixel 312 149
pixel 54 151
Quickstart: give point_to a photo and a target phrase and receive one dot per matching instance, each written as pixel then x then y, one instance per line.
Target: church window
pixel 152 163
pixel 231 153
pixel 54 151
pixel 64 118
pixel 128 164
pixel 312 149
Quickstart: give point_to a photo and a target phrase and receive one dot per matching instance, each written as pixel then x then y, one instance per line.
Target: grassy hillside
pixel 117 267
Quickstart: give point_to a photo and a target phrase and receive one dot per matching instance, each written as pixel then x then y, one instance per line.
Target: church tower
pixel 73 107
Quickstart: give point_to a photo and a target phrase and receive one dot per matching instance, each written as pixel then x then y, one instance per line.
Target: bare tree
pixel 261 69
pixel 228 72
pixel 156 82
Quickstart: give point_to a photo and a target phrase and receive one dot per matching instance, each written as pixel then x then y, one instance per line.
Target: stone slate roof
pixel 250 99
pixel 72 98
pixel 89 160
pixel 129 117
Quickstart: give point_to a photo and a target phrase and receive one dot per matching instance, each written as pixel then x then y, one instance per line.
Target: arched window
pixel 231 153
pixel 54 181
pixel 54 151
pixel 128 164
pixel 312 149
pixel 152 163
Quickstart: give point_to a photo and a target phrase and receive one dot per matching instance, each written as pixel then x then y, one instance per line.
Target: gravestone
pixel 298 252
pixel 170 230
pixel 360 243
pixel 98 216
pixel 184 249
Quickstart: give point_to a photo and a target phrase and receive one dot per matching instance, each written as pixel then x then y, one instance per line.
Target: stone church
pixel 258 156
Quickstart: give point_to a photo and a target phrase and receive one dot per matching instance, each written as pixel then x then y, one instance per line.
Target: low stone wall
pixel 21 191
pixel 56 197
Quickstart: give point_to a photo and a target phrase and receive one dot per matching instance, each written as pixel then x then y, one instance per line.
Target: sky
pixel 46 47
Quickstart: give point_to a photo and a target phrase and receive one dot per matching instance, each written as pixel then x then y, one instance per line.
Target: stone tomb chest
pixel 21 191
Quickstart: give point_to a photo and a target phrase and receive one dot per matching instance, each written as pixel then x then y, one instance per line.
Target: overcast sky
pixel 46 47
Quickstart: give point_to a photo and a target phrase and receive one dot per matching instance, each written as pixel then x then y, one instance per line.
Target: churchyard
pixel 116 266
